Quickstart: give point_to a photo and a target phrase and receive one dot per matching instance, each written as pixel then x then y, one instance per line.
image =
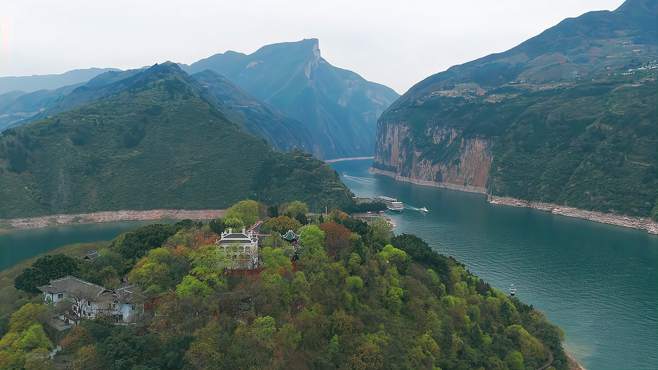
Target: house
pixel 91 255
pixel 78 299
pixel 241 248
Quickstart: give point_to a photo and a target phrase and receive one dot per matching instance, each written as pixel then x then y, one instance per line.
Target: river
pixel 19 245
pixel 598 282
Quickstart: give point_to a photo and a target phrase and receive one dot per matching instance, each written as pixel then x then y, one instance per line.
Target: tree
pixel 44 269
pixel 234 223
pixel 281 224
pixel 395 257
pixel 217 226
pixel 86 358
pixel 135 244
pixel 208 265
pixel 192 287
pixel 336 238
pixel 249 211
pixel 205 351
pixel 295 209
pixel 381 231
pixel 311 238
pixel 159 270
pixel 514 360
pixel 27 315
pixel 275 260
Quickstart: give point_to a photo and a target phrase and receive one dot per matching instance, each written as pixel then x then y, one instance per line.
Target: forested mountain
pixel 17 108
pixel 568 117
pixel 153 141
pixel 48 82
pixel 260 119
pixel 338 106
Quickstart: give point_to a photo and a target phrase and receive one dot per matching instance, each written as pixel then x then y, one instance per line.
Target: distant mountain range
pixel 567 117
pixel 149 139
pixel 286 93
pixel 28 84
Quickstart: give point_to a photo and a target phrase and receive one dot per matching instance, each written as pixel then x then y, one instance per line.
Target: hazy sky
pixel 396 42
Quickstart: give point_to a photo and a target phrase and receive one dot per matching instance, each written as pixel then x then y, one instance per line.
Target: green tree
pixel 249 211
pixel 281 224
pixel 217 226
pixel 295 209
pixel 192 287
pixel 159 270
pixel 514 360
pixel 233 222
pixel 135 244
pixel 44 269
pixel 209 264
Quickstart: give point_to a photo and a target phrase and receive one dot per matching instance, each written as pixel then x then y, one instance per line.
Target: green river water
pixel 599 283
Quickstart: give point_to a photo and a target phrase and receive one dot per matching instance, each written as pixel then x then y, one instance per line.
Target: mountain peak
pixel 648 7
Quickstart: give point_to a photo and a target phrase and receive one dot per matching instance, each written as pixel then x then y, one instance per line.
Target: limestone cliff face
pixel 443 155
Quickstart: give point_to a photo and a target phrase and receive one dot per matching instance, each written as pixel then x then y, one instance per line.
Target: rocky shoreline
pixel 110 216
pixel 640 223
pixel 434 184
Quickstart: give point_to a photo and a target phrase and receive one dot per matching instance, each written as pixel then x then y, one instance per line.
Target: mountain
pixel 153 141
pixel 567 117
pixel 48 82
pixel 256 117
pixel 18 108
pixel 338 106
pixel 282 132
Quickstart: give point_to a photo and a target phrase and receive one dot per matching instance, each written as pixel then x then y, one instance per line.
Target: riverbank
pixel 335 160
pixel 572 362
pixel 434 184
pixel 109 216
pixel 640 223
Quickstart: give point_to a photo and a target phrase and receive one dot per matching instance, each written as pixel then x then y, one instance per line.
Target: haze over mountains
pixel 339 107
pixel 154 142
pixel 567 117
pixel 307 102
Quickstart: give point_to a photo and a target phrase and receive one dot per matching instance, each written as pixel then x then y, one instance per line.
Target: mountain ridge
pixel 338 106
pixel 567 117
pixel 156 144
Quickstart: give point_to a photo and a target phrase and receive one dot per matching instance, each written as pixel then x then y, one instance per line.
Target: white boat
pixel 424 210
pixel 512 290
pixel 392 204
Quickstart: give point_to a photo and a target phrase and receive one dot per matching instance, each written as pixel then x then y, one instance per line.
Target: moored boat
pixel 392 204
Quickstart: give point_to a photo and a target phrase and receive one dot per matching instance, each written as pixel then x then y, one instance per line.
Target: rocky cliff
pixel 453 161
pixel 568 118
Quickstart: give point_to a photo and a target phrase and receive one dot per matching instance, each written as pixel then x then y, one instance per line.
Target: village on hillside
pixel 74 299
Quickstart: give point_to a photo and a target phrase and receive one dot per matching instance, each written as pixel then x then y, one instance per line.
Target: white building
pixel 84 300
pixel 241 248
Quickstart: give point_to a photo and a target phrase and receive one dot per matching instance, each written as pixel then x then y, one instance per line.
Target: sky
pixel 397 43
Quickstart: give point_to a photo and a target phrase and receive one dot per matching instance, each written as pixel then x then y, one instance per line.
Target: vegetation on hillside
pixel 155 143
pixel 569 116
pixel 353 296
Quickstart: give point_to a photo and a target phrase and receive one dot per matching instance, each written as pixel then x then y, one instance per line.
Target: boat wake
pixel 412 208
pixel 362 180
